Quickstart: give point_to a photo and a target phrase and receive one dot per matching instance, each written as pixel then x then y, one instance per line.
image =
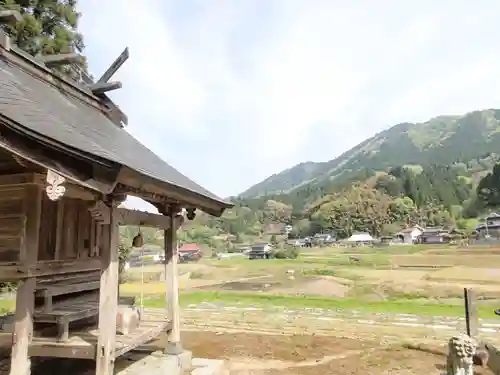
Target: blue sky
pixel 230 92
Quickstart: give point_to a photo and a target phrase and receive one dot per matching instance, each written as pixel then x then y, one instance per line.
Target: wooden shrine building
pixel 66 163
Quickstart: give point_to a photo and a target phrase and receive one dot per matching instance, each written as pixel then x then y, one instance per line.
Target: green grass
pixel 365 260
pixel 319 272
pixel 7 306
pixel 390 306
pixel 252 263
pixel 390 250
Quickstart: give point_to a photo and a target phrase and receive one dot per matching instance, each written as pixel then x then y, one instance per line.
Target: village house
pixel 436 235
pixel 296 242
pixel 260 251
pixel 360 238
pixel 385 241
pixel 490 227
pixel 147 254
pixel 410 235
pixel 323 239
pixel 190 252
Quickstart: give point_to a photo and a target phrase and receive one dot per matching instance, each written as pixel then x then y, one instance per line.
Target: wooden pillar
pixel 172 285
pixel 471 317
pixel 108 298
pixel 25 298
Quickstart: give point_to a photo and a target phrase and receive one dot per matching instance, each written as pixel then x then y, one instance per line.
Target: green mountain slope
pixel 443 140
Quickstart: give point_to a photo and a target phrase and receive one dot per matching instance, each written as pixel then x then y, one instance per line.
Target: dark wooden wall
pixel 67 230
pixel 11 223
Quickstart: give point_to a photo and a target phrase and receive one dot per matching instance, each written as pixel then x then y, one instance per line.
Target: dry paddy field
pixel 397 272
pixel 302 342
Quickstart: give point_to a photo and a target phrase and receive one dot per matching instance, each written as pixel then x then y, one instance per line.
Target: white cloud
pixel 158 84
pixel 253 86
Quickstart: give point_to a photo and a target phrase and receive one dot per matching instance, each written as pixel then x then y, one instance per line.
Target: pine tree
pixel 47 26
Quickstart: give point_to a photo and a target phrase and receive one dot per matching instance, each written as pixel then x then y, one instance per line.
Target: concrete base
pixel 159 363
pixel 173 348
pixel 202 366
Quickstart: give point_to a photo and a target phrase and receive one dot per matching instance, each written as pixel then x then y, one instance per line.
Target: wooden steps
pixel 83 343
pixel 65 286
pixel 66 299
pixel 50 291
pixel 62 316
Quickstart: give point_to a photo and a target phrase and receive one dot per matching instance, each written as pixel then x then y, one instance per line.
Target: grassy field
pixel 324 313
pixel 256 335
pixel 404 306
pixel 401 279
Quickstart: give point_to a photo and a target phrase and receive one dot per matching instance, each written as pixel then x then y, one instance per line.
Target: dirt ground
pixel 247 353
pixel 252 354
pixel 297 285
pixel 273 344
pixel 256 354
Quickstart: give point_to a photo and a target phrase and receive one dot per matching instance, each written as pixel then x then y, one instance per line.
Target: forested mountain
pixel 383 203
pixel 439 173
pixel 444 140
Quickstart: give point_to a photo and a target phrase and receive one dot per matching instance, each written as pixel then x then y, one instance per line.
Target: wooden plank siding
pixel 48 229
pixel 11 223
pixel 68 230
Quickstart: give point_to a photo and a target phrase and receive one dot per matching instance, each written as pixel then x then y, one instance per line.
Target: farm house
pixel 66 164
pixel 360 238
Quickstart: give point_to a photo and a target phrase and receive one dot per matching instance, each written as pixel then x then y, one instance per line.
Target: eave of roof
pixel 50 111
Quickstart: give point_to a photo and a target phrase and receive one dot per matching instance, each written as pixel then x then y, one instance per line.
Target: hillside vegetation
pixel 444 140
pixel 439 173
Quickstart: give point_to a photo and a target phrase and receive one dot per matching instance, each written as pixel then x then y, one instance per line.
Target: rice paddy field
pixel 391 312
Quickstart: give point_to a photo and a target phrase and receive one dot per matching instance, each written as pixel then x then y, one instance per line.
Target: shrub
pixel 135 277
pixel 281 254
pixel 291 253
pixel 123 257
pixel 8 286
pixel 319 272
pixel 294 252
pixel 196 275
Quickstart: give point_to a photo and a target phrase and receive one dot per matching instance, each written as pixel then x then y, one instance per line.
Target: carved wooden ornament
pixel 101 213
pixel 54 189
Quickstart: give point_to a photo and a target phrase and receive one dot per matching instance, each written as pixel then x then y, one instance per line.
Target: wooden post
pixel 108 298
pixel 25 298
pixel 471 318
pixel 172 286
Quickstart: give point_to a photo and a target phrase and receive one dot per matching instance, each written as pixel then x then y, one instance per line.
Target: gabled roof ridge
pixel 39 108
pixel 23 60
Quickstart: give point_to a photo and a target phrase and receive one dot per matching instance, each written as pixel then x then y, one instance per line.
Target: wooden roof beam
pixel 102 87
pixel 10 17
pixel 140 218
pixel 60 59
pixel 120 60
